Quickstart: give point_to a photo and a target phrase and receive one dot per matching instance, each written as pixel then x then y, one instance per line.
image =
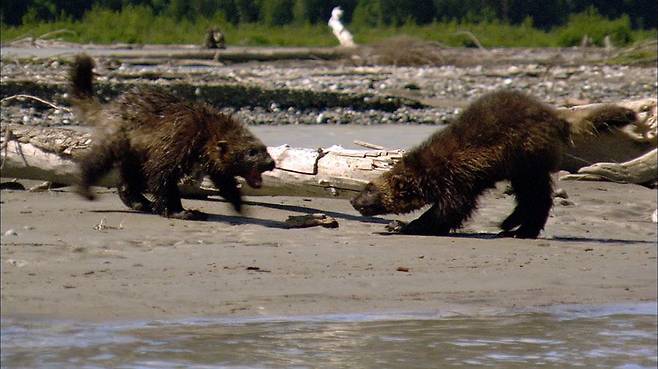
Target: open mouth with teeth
pixel 254 178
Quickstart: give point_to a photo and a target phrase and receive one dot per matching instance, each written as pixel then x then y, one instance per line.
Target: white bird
pixel 342 34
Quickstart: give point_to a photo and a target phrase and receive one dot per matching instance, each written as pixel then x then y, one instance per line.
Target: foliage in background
pixel 597 28
pixel 545 14
pixel 303 22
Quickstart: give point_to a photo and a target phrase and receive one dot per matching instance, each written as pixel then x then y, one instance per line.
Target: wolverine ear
pixel 222 147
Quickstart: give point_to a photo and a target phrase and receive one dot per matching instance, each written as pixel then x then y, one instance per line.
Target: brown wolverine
pixel 155 138
pixel 502 135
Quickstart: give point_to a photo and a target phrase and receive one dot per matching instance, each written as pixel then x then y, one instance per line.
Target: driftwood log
pixel 616 146
pixel 50 154
pixel 641 170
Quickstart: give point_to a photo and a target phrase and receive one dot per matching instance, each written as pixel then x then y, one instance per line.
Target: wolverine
pixel 503 135
pixel 155 138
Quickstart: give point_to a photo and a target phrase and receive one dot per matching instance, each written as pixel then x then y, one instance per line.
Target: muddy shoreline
pixel 66 258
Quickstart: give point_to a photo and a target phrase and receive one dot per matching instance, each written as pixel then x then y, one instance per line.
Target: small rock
pixel 402 269
pixel 11 232
pixel 257 269
pixel 17 263
pixel 565 202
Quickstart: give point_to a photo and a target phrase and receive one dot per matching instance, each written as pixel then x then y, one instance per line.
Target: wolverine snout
pixel 269 165
pixel 365 205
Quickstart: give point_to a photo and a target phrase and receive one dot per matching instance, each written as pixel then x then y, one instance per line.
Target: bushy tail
pixel 601 119
pixel 82 87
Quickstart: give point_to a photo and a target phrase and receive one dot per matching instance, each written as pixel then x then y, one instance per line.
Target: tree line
pixel 543 14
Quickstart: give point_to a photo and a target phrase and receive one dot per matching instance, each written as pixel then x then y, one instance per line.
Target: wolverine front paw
pixel 237 205
pixel 141 206
pixel 519 233
pixel 188 215
pixel 396 226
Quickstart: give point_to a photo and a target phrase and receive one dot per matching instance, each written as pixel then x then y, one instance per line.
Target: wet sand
pixel 57 263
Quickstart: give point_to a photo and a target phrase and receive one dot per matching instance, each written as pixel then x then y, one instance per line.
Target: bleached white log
pixel 50 154
pixel 643 169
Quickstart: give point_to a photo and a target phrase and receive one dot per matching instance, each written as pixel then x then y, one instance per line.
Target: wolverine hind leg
pixel 98 162
pixel 534 197
pixel 167 201
pixel 132 185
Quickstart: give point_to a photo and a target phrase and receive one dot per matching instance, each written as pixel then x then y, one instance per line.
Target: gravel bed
pixel 443 89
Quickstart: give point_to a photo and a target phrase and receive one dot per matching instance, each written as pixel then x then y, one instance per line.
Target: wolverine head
pixel 370 201
pixel 394 192
pixel 235 151
pixel 252 161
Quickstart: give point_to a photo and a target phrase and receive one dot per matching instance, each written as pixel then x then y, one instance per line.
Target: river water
pixel 390 136
pixel 619 336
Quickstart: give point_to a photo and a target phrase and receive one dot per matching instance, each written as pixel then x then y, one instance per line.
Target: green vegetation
pixel 507 23
pixel 640 53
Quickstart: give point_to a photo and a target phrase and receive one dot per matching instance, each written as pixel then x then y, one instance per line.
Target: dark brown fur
pixel 502 135
pixel 214 39
pixel 155 138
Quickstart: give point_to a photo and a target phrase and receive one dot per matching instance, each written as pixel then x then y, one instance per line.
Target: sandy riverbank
pixel 601 249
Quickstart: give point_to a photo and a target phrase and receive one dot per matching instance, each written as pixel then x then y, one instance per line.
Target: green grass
pixel 139 25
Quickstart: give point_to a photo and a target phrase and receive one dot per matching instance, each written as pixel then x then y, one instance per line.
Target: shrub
pixel 591 24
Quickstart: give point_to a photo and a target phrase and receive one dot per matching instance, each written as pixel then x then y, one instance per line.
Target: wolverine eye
pixel 252 152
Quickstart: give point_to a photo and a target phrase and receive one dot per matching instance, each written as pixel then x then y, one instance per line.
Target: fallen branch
pixel 56 32
pixel 21 96
pixel 472 37
pixel 641 170
pixel 368 145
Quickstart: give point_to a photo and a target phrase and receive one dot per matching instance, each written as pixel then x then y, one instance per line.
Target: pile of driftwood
pixel 625 155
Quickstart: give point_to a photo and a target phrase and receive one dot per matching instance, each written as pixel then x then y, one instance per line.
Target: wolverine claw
pixel 396 226
pixel 188 215
pixel 518 233
pixel 506 234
